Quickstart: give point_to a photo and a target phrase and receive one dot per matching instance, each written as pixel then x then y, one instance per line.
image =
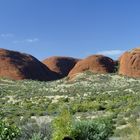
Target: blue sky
pixel 76 28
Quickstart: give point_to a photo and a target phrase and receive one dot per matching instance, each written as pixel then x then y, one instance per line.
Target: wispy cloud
pixel 111 52
pixel 32 40
pixel 6 35
pixel 26 41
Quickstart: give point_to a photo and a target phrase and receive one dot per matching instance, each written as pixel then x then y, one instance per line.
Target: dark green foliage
pixel 8 132
pixel 66 126
pixel 117 65
pixel 99 129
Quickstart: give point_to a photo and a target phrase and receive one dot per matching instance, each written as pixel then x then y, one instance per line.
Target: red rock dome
pixel 94 63
pixel 130 63
pixel 17 66
pixel 60 65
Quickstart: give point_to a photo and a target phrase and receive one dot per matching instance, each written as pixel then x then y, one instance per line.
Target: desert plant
pixel 62 124
pixel 8 132
pixel 34 131
pixel 131 133
pixel 99 129
pixel 36 136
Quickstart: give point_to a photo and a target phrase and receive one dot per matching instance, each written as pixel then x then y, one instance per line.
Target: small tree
pixel 62 125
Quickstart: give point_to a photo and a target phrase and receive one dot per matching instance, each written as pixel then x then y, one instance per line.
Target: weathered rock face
pixel 17 66
pixel 60 65
pixel 95 63
pixel 130 63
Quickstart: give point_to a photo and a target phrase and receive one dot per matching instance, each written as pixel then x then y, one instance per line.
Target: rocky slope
pixel 17 66
pixel 60 65
pixel 130 63
pixel 95 63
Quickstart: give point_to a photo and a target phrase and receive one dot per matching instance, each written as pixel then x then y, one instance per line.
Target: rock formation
pixel 60 65
pixel 95 63
pixel 17 66
pixel 130 63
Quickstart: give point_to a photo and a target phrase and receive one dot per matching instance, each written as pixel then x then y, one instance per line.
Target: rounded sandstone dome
pixel 95 63
pixel 60 65
pixel 135 50
pixel 130 63
pixel 17 66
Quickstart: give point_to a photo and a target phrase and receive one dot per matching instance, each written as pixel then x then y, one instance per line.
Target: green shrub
pixel 62 125
pixel 117 65
pixel 84 106
pixel 34 131
pixel 8 132
pixel 99 129
pixel 36 137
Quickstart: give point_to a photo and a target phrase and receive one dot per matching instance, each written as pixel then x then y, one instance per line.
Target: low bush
pixel 62 125
pixel 100 129
pixel 131 132
pixel 34 131
pixel 8 132
pixel 65 126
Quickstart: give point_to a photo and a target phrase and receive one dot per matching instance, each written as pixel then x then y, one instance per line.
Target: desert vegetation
pixel 81 108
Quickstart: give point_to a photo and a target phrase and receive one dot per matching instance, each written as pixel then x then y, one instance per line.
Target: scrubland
pixel 88 107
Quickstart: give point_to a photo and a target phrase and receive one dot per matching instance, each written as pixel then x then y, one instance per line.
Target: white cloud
pixel 111 52
pixel 32 40
pixel 26 41
pixel 7 35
